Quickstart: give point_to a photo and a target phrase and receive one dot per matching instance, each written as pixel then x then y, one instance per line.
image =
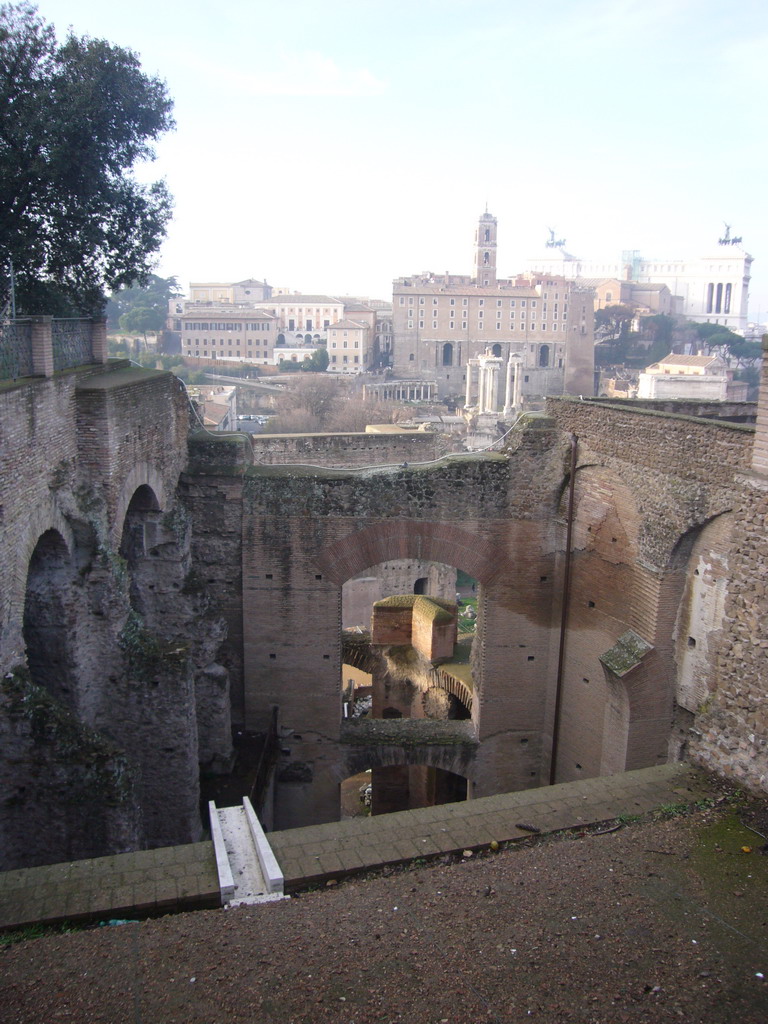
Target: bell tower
pixel 485 250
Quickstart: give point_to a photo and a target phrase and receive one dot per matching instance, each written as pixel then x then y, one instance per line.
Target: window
pixel 421 301
pixel 498 302
pixel 480 314
pixel 481 302
pixel 434 302
pixel 464 302
pixel 410 324
pixel 411 357
pixel 434 325
pixel 421 325
pixel 402 300
pixel 453 302
pixel 464 325
pixel 451 323
pixel 448 354
pixel 498 326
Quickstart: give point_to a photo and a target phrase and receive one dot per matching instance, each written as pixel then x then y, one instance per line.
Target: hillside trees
pixel 75 119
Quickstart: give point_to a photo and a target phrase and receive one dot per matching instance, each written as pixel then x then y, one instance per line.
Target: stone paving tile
pixel 152 880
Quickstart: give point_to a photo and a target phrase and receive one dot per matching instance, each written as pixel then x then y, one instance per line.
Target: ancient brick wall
pixel 95 609
pixel 730 732
pixel 344 450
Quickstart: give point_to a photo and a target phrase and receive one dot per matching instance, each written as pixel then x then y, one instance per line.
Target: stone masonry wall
pixel 94 609
pixel 344 450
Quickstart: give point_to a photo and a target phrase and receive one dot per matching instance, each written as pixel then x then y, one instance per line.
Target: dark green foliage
pixel 136 310
pixel 74 120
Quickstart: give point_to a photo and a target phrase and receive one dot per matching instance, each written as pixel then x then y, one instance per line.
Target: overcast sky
pixel 329 147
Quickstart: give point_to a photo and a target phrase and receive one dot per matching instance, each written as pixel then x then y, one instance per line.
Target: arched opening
pixel 280 339
pixel 447 354
pixel 138 537
pixel 385 789
pixel 544 355
pixel 421 586
pixel 496 351
pixel 308 339
pixel 47 627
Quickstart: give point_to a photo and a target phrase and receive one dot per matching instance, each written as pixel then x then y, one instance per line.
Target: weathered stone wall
pixel 95 607
pixel 344 450
pixel 730 732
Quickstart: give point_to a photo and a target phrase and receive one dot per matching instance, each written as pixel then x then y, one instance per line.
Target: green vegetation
pixel 75 119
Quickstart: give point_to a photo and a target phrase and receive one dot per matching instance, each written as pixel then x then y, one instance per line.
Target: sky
pixel 331 147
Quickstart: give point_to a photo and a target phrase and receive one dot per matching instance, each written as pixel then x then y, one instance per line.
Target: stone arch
pixel 46 627
pixel 432 542
pixel 456 758
pixel 695 589
pixel 138 534
pixel 142 474
pixel 610 595
pixel 606 515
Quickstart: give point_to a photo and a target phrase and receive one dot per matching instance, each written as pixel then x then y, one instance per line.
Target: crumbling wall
pixel 95 605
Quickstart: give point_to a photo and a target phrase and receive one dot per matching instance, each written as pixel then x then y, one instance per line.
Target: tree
pixel 613 322
pixel 75 118
pixel 728 345
pixel 154 297
pixel 140 319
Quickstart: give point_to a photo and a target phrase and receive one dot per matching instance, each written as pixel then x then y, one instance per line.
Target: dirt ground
pixel 660 920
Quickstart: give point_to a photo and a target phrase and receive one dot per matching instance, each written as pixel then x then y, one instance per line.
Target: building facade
pixel 440 322
pixel 710 289
pixel 234 335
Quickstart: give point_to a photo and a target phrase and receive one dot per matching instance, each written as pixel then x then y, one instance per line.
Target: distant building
pixel 229 335
pixel 216 406
pixel 705 378
pixel 211 292
pixel 442 321
pixel 710 289
pixel 350 346
pixel 645 299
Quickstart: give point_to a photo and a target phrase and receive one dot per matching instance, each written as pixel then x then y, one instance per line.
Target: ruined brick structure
pixel 155 585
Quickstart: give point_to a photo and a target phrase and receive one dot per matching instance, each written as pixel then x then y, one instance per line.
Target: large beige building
pixel 229 335
pixel 441 321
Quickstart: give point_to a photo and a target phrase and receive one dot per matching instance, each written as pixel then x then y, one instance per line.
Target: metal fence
pixel 71 340
pixel 15 349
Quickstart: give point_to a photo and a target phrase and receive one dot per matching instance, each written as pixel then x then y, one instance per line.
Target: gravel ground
pixel 662 920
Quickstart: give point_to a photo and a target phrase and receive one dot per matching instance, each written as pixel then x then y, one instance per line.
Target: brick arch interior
pixel 694 595
pixel 455 758
pixel 609 595
pixel 397 539
pixel 46 629
pixel 143 475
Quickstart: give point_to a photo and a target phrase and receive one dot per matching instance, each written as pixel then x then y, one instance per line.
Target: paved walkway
pixel 128 885
pixel 320 852
pixel 151 882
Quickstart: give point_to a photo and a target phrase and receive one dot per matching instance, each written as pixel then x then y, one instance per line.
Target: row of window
pixel 480 302
pixel 228 327
pixel 530 325
pixel 204 341
pixel 230 355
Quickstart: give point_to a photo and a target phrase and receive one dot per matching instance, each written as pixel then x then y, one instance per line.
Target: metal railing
pixel 15 349
pixel 71 341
